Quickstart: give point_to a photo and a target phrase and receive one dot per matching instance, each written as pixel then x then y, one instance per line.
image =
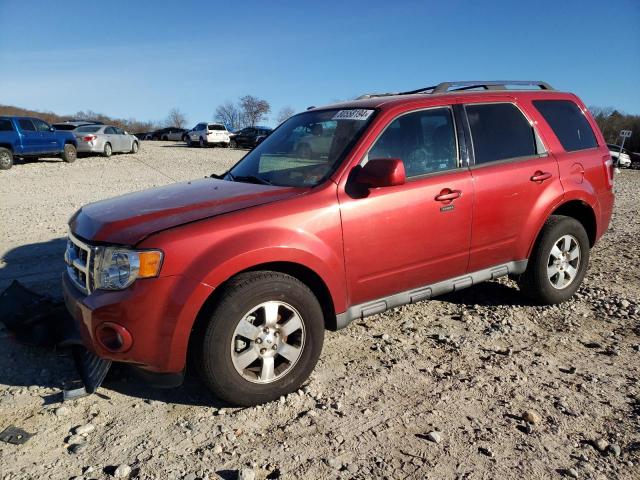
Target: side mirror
pixel 52 129
pixel 384 172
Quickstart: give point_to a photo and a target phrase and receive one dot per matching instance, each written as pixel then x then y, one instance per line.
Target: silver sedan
pixel 105 140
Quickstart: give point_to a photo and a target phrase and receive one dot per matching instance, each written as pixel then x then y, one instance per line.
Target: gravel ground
pixel 474 385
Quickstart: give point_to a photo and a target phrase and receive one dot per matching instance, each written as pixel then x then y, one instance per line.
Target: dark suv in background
pixel 249 137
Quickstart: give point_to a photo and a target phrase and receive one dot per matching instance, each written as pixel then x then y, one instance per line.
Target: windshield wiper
pixel 250 179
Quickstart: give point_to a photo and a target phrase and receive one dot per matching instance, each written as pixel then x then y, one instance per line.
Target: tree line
pixel 611 121
pixel 248 111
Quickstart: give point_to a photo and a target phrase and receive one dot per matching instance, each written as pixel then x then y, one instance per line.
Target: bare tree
pixel 229 114
pixel 176 118
pixel 285 113
pixel 253 110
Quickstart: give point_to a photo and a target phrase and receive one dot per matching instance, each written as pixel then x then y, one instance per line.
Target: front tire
pixel 6 158
pixel 558 263
pixel 69 153
pixel 233 144
pixel 135 147
pixel 263 339
pixel 202 143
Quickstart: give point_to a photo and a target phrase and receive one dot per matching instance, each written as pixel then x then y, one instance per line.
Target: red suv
pixel 405 196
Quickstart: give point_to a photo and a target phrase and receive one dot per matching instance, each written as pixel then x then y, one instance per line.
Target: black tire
pixel 185 138
pixel 214 352
pixel 107 151
pixel 69 153
pixel 134 147
pixel 202 143
pixel 233 144
pixel 535 282
pixel 6 158
pixel 165 138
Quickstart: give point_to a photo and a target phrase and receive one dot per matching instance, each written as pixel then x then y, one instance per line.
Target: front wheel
pixel 135 147
pixel 233 144
pixel 6 159
pixel 202 143
pixel 69 153
pixel 263 339
pixel 558 263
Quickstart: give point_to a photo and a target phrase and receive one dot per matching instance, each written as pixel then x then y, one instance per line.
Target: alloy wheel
pixel 564 262
pixel 267 342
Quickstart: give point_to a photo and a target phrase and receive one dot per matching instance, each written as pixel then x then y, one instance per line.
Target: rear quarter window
pixel 499 131
pixel 5 125
pixel 568 123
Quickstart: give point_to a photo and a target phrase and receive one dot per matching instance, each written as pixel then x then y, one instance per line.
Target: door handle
pixel 447 195
pixel 540 176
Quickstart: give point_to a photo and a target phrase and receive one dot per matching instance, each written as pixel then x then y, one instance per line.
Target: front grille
pixel 79 258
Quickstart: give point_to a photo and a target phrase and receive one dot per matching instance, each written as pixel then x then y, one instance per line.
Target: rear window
pixel 216 127
pixel 88 129
pixel 499 131
pixel 568 123
pixel 5 125
pixel 64 126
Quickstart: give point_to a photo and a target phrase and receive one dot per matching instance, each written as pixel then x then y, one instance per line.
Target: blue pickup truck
pixel 31 137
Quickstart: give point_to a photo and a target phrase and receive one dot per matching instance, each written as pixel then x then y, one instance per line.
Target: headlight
pixel 116 268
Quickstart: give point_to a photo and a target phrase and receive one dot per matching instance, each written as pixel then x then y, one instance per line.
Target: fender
pixel 537 221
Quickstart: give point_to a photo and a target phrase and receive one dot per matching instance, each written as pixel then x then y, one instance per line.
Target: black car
pixel 249 137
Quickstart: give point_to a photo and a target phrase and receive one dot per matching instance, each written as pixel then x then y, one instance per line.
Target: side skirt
pixel 429 291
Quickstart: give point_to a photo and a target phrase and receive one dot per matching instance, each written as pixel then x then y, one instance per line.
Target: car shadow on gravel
pixel 488 294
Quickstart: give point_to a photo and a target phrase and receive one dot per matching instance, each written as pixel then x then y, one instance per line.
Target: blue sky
pixel 141 58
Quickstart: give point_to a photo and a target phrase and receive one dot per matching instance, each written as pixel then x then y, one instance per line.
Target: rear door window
pixel 568 123
pixel 5 125
pixel 499 131
pixel 26 125
pixel 425 141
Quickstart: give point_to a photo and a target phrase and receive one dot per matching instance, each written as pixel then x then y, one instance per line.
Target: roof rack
pixel 445 87
pixel 486 85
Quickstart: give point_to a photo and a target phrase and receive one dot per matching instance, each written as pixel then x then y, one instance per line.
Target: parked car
pixel 417 194
pixel 105 140
pixel 205 134
pixel 30 137
pixel 622 159
pixel 171 133
pixel 249 137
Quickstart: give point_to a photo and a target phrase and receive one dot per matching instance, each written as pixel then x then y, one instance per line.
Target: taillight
pixel 89 138
pixel 609 167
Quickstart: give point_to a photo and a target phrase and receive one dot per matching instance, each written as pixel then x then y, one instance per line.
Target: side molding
pixel 429 291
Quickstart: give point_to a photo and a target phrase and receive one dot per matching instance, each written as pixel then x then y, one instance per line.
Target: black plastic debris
pixel 38 320
pixel 34 319
pixel 15 435
pixel 92 370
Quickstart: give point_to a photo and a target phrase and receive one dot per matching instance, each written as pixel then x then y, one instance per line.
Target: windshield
pixel 90 129
pixel 304 150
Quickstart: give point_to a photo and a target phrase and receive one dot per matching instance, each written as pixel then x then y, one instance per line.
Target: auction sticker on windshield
pixel 354 114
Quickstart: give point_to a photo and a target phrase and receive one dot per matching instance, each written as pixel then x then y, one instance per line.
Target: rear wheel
pixel 107 150
pixel 6 159
pixel 558 263
pixel 165 138
pixel 263 339
pixel 69 153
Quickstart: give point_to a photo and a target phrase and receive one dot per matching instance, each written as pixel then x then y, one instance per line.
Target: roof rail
pixel 486 85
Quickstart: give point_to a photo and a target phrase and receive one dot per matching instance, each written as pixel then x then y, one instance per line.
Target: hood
pixel 128 219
